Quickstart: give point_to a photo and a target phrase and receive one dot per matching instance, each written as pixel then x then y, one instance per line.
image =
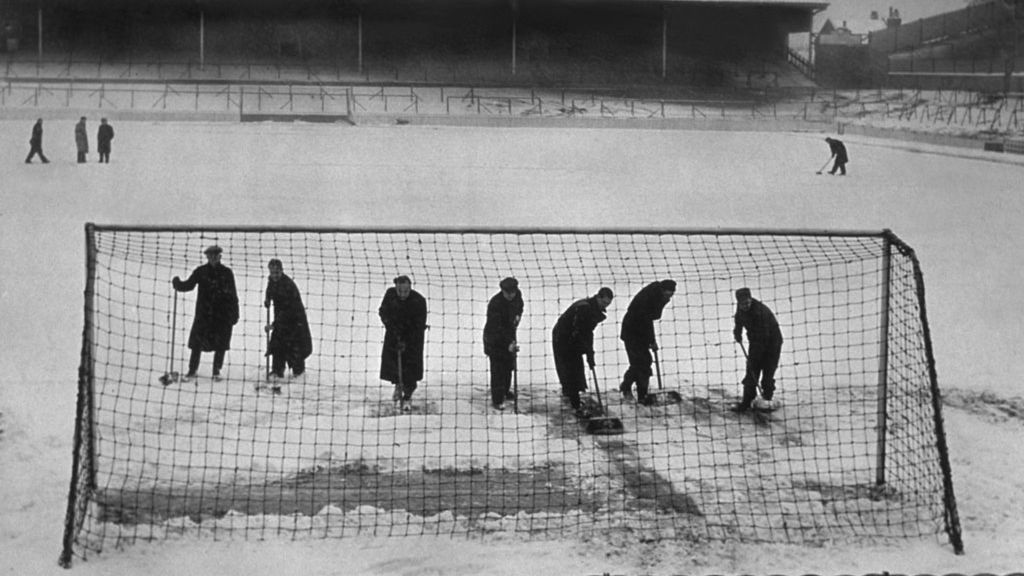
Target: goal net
pixel 856 451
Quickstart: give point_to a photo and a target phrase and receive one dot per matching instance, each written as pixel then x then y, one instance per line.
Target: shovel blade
pixel 169 378
pixel 604 426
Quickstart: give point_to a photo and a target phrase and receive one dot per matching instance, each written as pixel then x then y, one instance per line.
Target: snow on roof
pixel 855 25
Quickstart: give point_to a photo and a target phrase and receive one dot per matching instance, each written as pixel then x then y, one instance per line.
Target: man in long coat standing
pixel 104 135
pixel 290 340
pixel 81 140
pixel 403 311
pixel 638 336
pixel 216 311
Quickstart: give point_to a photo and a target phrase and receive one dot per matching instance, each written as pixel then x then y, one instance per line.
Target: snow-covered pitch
pixel 196 173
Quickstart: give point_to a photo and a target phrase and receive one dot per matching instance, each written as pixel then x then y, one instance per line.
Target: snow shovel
pixel 662 397
pixel 822 169
pixel 401 403
pixel 172 376
pixel 602 425
pixel 515 384
pixel 746 357
pixel 769 406
pixel 275 387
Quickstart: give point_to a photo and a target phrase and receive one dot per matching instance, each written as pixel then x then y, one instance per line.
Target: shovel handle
pixel 597 389
pixel 657 367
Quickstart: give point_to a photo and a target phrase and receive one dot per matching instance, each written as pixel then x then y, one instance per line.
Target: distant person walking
pixel 81 140
pixel 36 143
pixel 838 150
pixel 104 135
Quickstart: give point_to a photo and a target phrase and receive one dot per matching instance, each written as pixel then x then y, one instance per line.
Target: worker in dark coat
pixel 81 140
pixel 765 338
pixel 638 336
pixel 216 311
pixel 504 311
pixel 838 150
pixel 35 143
pixel 104 134
pixel 290 340
pixel 403 311
pixel 573 338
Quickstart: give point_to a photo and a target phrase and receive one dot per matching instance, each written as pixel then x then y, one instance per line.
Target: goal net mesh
pixel 856 451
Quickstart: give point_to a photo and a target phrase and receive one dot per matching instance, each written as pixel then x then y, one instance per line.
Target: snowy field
pixel 959 209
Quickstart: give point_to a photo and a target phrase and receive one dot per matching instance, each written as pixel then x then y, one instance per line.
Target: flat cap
pixel 213 249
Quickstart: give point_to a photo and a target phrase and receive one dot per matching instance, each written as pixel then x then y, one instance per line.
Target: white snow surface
pixel 959 209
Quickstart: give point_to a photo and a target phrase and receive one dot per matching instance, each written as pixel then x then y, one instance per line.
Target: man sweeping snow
pixel 765 338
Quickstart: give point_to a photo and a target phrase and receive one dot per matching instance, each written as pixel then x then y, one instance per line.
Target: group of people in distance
pixel 403 312
pixel 104 136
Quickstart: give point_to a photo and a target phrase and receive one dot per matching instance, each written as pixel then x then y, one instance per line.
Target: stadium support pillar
pixel 515 22
pixel 202 39
pixel 39 35
pixel 664 43
pixel 883 364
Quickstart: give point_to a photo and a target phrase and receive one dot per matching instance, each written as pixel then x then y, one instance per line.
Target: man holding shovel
pixel 765 338
pixel 403 311
pixel 638 336
pixel 216 311
pixel 504 310
pixel 572 339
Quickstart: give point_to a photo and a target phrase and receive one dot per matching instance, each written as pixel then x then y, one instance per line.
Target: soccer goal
pixel 857 450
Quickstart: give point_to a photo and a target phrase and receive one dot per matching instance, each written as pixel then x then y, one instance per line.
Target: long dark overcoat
pixel 500 328
pixel 104 135
pixel 37 135
pixel 574 331
pixel 404 321
pixel 839 150
pixel 644 309
pixel 216 307
pixel 81 138
pixel 290 337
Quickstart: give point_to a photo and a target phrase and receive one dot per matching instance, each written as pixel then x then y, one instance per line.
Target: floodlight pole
pixel 39 34
pixel 515 31
pixel 883 362
pixel 202 38
pixel 664 42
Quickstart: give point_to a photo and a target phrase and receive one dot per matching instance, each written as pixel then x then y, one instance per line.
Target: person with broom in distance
pixel 216 311
pixel 290 340
pixel 403 311
pixel 504 311
pixel 572 338
pixel 838 150
pixel 765 338
pixel 637 335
